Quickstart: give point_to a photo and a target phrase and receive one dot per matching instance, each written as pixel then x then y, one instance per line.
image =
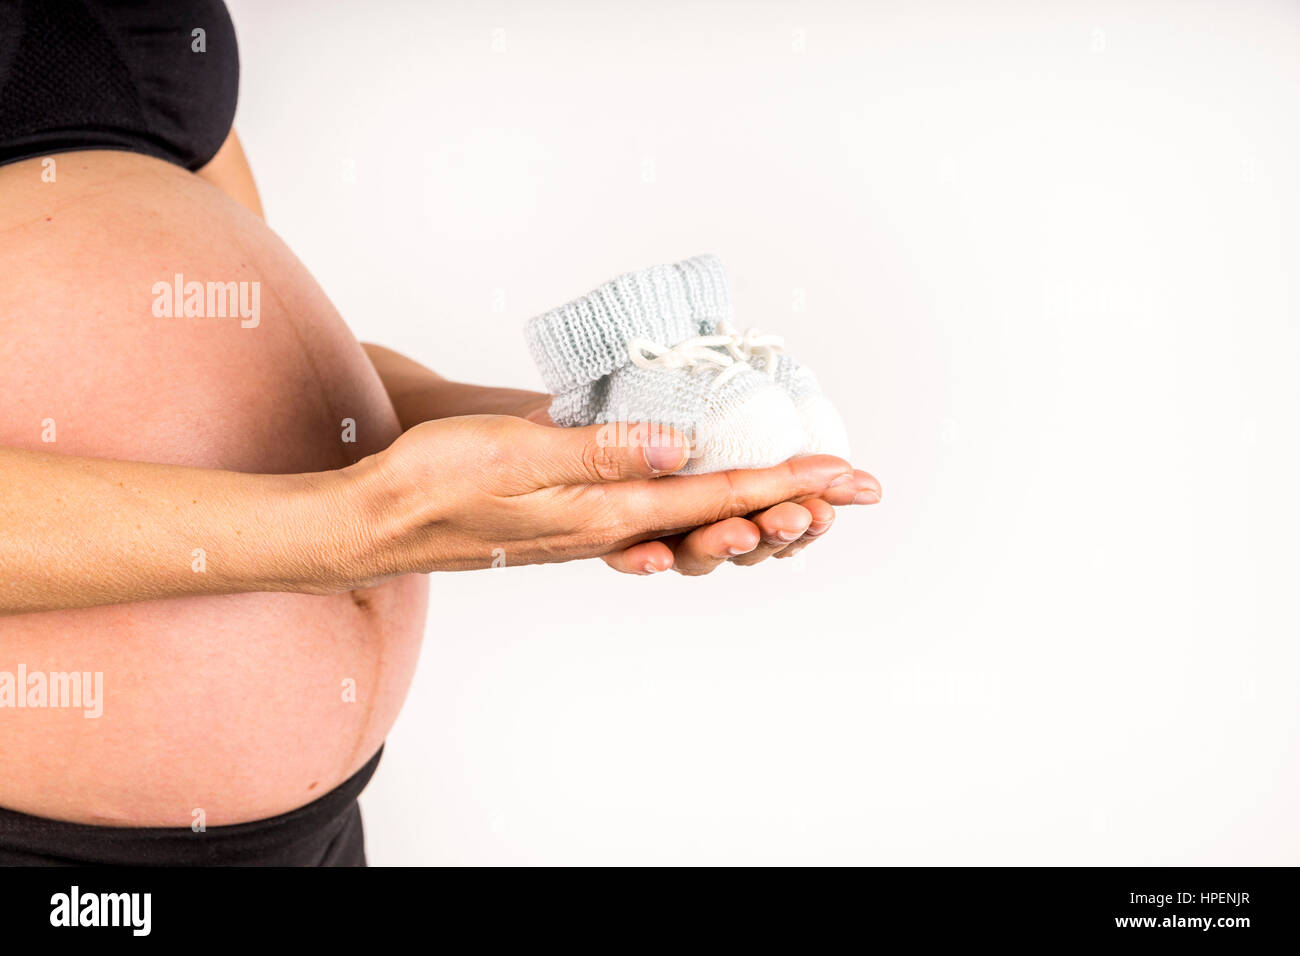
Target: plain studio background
pixel 1042 255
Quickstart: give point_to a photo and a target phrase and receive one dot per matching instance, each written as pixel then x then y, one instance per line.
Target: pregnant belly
pixel 224 709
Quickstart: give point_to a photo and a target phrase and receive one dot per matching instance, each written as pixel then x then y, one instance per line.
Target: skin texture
pixel 259 683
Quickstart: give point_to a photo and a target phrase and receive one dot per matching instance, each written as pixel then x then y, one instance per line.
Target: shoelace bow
pixel 737 348
pixel 752 343
pixel 701 351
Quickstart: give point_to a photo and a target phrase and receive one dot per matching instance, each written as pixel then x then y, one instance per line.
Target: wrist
pixel 331 530
pixel 369 516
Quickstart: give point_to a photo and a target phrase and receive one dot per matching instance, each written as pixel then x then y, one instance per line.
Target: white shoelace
pixel 752 344
pixel 701 351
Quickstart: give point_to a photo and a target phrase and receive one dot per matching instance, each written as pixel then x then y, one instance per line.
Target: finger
pixel 705 548
pixel 823 516
pixel 597 454
pixel 648 557
pixel 683 503
pixel 780 526
pixel 860 488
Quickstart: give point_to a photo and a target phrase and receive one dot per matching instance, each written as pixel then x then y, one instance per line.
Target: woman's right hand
pixel 483 490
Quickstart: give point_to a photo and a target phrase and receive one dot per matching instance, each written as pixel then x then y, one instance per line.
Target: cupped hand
pixel 781 531
pixel 474 491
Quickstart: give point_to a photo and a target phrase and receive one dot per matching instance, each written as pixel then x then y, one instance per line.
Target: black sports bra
pixel 158 77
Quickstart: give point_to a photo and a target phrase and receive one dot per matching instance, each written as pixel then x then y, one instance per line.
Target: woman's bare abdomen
pixel 236 707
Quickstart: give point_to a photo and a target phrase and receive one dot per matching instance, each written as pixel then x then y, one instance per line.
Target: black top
pixel 135 75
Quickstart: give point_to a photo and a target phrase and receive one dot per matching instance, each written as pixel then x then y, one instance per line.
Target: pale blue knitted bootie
pixel 632 351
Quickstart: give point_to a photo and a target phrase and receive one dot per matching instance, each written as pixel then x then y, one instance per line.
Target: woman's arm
pixel 80 532
pixel 420 394
pixel 447 495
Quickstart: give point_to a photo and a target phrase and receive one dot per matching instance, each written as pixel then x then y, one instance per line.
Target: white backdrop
pixel 1043 255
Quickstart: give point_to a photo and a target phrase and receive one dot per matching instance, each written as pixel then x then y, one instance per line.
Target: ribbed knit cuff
pixel 707 289
pixel 587 339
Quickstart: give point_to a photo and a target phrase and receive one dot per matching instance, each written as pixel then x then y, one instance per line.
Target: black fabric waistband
pixel 325 832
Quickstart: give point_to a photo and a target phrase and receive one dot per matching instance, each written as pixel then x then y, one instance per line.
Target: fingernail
pixel 866 497
pixel 650 568
pixel 816 529
pixel 664 456
pixel 789 535
pixel 738 551
pixel 840 482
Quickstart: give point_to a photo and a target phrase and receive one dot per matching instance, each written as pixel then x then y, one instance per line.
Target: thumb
pixel 618 451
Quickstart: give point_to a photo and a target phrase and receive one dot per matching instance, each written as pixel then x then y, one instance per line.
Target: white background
pixel 1043 256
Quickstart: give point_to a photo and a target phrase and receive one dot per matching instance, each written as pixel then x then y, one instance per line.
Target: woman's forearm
pixel 420 394
pixel 81 532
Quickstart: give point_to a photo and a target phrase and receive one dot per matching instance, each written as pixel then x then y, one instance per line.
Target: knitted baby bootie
pixel 822 425
pixel 632 351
